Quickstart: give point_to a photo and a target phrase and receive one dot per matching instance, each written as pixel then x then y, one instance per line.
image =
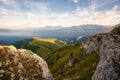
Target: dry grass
pixel 51 40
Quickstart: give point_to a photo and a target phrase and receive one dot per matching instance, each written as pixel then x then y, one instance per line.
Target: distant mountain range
pixel 7 40
pixel 70 34
pixel 74 34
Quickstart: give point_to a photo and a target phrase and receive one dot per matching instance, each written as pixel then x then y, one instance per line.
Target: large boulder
pixel 22 64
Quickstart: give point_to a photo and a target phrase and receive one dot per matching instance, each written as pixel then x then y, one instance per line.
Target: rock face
pixel 21 64
pixel 108 45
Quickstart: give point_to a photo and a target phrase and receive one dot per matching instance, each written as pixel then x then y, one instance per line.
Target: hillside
pixel 40 46
pixel 58 56
pixel 71 63
pixel 21 64
pixel 97 58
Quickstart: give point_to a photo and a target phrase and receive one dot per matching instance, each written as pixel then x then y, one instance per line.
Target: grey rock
pixel 108 46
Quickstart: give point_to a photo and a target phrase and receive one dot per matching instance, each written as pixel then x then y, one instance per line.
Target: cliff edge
pixel 108 46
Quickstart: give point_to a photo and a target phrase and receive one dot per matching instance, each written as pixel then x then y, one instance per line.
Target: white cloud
pixel 109 17
pixel 89 16
pixel 116 8
pixel 7 12
pixel 30 15
pixel 79 16
pixel 39 7
pixel 11 3
pixel 82 11
pixel 95 5
pixel 106 18
pixel 75 1
pixel 5 1
pixel 3 12
pixel 44 17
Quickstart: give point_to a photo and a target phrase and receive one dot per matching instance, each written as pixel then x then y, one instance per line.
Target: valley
pixel 65 61
pixel 40 46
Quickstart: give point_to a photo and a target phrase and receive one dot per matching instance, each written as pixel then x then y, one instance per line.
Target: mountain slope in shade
pixel 70 63
pixel 21 64
pixel 40 46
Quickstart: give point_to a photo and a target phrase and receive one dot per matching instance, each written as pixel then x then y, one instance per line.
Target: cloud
pixel 3 12
pixel 116 8
pixel 75 1
pixel 108 17
pixel 92 15
pixel 8 13
pixel 40 15
pixel 11 3
pixel 88 16
pixel 30 15
pixel 82 11
pixel 5 1
pixel 37 6
pixel 95 5
pixel 78 17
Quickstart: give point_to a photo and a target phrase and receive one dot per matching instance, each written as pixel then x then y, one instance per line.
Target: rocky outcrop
pixel 71 60
pixel 92 44
pixel 21 64
pixel 108 46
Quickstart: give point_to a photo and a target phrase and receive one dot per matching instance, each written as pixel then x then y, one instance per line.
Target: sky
pixel 19 14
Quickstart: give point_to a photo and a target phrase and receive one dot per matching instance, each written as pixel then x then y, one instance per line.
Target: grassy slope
pixel 83 69
pixel 58 59
pixel 40 46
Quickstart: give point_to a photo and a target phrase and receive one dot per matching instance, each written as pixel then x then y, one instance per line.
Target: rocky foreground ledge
pixel 22 64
